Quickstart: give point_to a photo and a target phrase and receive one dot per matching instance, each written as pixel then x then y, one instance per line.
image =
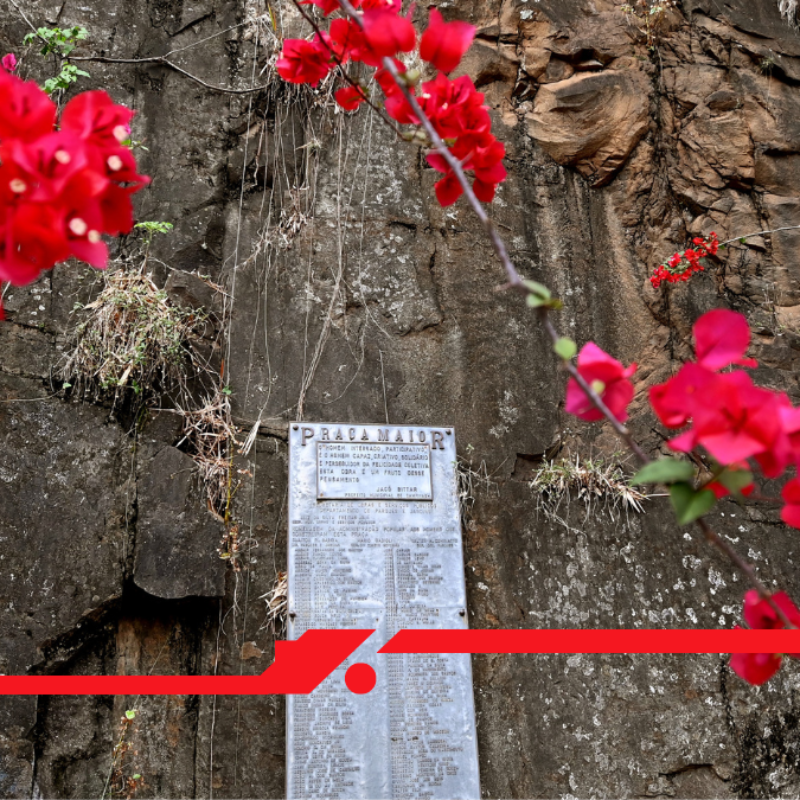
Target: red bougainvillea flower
pixel 327 6
pixel 28 112
pixel 304 62
pixel 721 339
pixel 755 668
pixel 61 190
pixel 9 62
pixel 350 97
pixel 790 513
pixel 607 377
pixel 444 43
pixel 676 400
pixel 387 34
pixel 758 613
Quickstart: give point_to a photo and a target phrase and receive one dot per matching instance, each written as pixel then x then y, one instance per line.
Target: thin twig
pixel 759 233
pixel 165 62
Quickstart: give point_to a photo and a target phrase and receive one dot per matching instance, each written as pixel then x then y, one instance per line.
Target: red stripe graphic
pixel 301 666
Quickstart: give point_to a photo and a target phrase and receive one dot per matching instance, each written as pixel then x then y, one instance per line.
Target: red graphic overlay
pixel 360 678
pixel 301 666
pixel 594 641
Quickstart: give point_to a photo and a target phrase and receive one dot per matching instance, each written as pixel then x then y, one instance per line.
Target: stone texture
pixel 176 537
pixel 592 121
pixel 350 295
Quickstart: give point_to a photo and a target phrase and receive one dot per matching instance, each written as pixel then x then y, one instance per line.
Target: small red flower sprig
pixel 681 267
pixel 454 106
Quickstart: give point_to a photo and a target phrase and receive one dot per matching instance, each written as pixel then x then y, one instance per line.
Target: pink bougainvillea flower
pixel 350 97
pixel 721 339
pixel 607 377
pixel 755 668
pixel 303 62
pixel 9 62
pixel 444 43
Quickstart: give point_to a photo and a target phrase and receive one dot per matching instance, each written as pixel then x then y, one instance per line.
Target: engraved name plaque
pixel 375 542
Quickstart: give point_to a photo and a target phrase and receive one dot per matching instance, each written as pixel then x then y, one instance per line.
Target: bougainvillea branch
pixel 599 385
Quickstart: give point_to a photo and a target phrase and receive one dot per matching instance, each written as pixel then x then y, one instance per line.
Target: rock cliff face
pixel 349 295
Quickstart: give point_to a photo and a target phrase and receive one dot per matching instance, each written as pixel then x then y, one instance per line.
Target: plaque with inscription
pixel 375 542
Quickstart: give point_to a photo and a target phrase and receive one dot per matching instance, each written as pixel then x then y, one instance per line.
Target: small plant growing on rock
pixel 649 16
pixel 593 482
pixel 131 338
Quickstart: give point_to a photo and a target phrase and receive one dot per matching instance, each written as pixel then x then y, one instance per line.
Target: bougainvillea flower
pixel 28 112
pixel 720 490
pixel 34 241
pixel 790 513
pixel 607 377
pixel 302 61
pixel 326 6
pixel 734 421
pixel 721 339
pixel 758 613
pixel 9 62
pixel 675 400
pixel 755 668
pixel 444 43
pixel 386 33
pixel 350 97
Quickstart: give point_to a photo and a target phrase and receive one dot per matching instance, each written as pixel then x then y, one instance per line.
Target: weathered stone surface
pixel 349 292
pixel 592 121
pixel 176 537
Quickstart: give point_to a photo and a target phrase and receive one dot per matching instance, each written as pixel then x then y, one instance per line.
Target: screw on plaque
pixel 295 427
pixel 292 614
pixel 448 432
pixel 462 612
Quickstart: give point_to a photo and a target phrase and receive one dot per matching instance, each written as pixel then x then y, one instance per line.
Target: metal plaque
pixel 375 542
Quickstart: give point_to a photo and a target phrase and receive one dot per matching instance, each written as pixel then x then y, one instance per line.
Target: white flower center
pixel 78 226
pixel 63 157
pixel 17 186
pixel 114 163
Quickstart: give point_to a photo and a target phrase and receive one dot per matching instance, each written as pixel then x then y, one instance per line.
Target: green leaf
pixel 736 480
pixel 137 777
pixel 66 385
pixel 690 504
pixel 130 713
pixel 538 289
pixel 667 470
pixel 565 348
pixel 743 240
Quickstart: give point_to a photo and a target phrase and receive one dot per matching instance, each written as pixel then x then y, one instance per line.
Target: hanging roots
pixel 277 600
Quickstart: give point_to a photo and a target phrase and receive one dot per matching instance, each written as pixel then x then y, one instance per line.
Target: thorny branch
pixel 515 281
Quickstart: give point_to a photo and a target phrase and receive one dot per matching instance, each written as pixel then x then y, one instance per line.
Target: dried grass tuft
pixel 131 338
pixel 601 486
